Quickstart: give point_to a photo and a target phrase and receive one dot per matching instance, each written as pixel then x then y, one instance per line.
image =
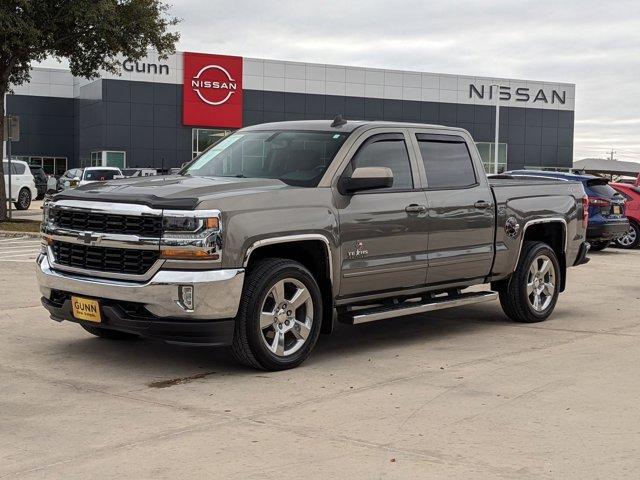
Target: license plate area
pixel 616 210
pixel 86 309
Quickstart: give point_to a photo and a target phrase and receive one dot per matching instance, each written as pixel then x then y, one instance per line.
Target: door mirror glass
pixel 366 178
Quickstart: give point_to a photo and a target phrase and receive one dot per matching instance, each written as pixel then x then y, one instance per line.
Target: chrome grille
pixel 83 220
pixel 104 259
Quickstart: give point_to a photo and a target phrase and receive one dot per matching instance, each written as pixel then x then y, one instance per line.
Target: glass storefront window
pixel 51 165
pixel 486 150
pixel 203 138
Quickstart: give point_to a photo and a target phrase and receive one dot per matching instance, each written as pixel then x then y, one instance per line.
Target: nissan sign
pixel 520 94
pixel 212 90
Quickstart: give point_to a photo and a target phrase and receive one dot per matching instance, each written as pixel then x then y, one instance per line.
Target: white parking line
pixel 19 249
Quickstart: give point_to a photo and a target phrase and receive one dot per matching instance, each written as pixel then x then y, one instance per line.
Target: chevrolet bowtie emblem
pixel 89 238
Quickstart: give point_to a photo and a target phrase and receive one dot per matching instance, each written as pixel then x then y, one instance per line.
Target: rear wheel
pixel 280 316
pixel 599 246
pixel 24 200
pixel 109 334
pixel 631 239
pixel 530 295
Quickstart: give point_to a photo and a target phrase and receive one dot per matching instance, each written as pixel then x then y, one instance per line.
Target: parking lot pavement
pixel 19 249
pixel 462 393
pixel 33 213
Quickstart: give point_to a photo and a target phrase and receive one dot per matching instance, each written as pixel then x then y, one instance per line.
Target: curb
pixel 8 233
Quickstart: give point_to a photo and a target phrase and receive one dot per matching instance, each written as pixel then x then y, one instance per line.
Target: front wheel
pixel 24 200
pixel 280 316
pixel 631 239
pixel 530 295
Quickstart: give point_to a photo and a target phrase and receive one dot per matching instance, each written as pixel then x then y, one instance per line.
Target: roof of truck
pixel 348 126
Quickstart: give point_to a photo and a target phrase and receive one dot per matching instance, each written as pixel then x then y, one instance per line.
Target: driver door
pixel 383 232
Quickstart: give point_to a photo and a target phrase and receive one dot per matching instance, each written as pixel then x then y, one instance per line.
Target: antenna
pixel 338 121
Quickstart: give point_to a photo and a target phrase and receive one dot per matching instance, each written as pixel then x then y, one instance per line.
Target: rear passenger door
pixel 461 210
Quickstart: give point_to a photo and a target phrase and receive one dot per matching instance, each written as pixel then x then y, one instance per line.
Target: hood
pixel 171 191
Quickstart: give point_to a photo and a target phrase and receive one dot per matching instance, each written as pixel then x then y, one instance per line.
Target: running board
pixel 355 317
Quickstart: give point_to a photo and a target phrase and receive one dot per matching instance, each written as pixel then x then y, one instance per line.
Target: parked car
pixel 358 221
pixel 70 178
pixel 40 178
pixel 23 187
pixel 82 176
pixel 630 239
pixel 607 219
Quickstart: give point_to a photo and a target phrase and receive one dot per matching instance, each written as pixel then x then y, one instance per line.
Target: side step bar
pixel 355 317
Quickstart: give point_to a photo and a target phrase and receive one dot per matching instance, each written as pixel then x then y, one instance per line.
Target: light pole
pixel 497 129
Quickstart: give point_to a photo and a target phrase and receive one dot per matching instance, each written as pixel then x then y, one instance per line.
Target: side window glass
pixel 385 150
pixel 18 168
pixel 447 163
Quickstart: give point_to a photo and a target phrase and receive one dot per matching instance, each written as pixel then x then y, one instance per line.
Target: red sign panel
pixel 212 90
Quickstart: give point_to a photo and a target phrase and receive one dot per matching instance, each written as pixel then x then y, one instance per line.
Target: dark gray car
pixel 280 229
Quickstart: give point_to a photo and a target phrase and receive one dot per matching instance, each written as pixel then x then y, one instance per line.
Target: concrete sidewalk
pixel 462 393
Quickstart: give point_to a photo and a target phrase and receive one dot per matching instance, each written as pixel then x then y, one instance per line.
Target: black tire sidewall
pixel 252 324
pixel 533 253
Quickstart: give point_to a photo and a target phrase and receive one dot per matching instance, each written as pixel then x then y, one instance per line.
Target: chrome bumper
pixel 216 292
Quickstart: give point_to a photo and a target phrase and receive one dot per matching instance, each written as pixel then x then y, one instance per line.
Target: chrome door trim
pixel 292 238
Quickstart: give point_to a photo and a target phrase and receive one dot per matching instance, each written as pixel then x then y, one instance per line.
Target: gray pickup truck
pixel 279 230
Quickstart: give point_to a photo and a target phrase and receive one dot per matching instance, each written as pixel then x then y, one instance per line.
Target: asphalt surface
pixel 460 393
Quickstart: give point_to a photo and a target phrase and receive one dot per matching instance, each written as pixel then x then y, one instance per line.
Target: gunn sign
pixel 212 90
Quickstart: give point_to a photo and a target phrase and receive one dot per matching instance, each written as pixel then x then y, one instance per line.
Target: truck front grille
pixel 145 226
pixel 103 259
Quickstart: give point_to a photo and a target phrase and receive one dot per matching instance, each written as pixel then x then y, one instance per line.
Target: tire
pixel 631 239
pixel 109 334
pixel 518 293
pixel 599 246
pixel 24 200
pixel 288 340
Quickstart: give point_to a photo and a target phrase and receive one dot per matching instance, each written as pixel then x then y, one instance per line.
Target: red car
pixel 631 239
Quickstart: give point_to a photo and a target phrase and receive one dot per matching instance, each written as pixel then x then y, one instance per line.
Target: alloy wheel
pixel 628 238
pixel 541 283
pixel 286 317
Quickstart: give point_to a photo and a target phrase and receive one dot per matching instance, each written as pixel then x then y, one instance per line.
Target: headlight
pixel 191 235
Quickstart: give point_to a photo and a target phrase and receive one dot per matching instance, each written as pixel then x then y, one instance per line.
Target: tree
pixel 92 35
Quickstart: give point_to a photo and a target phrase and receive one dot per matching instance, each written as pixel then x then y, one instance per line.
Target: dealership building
pixel 161 113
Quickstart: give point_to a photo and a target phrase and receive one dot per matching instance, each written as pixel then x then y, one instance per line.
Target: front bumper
pixel 607 231
pixel 216 293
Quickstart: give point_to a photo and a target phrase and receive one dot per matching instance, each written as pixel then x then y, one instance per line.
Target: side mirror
pixel 76 179
pixel 366 178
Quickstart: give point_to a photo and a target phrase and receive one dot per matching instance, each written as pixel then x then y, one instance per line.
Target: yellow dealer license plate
pixel 85 309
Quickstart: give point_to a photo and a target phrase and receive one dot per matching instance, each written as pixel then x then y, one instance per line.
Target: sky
pixel 594 44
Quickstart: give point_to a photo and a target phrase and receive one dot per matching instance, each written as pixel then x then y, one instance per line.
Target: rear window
pixel 446 161
pixel 601 188
pixel 100 175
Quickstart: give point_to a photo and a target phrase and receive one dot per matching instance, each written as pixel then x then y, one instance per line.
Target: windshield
pixel 100 175
pixel 294 157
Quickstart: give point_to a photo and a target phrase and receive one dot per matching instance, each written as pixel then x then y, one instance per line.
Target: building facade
pixel 161 113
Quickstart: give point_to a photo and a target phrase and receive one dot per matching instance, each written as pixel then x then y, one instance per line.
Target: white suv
pixel 23 186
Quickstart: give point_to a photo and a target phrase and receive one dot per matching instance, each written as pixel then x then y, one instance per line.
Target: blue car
pixel 607 219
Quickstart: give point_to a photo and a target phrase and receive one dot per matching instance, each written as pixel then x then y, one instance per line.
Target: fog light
pixel 185 296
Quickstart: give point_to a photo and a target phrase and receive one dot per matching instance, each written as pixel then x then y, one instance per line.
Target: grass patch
pixel 20 225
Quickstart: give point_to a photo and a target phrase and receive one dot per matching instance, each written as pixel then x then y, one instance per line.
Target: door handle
pixel 415 208
pixel 482 204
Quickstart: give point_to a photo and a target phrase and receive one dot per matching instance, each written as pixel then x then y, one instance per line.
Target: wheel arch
pixel 553 232
pixel 312 250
